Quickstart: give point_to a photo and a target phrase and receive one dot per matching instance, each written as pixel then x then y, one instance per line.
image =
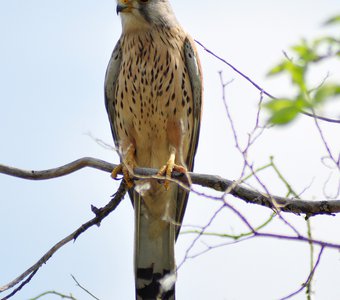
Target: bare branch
pixel 310 208
pixel 63 296
pixel 22 284
pixel 323 138
pixel 236 70
pixel 84 289
pixel 100 213
pixel 320 117
pixel 255 233
pixel 263 91
pixel 60 171
pixel 309 277
pixel 199 235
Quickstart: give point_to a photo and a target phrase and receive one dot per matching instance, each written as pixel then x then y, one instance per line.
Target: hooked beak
pixel 121 8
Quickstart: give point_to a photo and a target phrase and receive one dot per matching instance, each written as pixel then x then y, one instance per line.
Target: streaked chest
pixel 153 84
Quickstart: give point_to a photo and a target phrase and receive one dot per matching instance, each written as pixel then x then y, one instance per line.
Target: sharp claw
pixel 162 170
pixel 126 175
pixel 116 171
pixel 126 166
pixel 167 170
pixel 127 178
pixel 180 169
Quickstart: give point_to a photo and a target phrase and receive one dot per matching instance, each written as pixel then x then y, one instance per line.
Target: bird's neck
pixel 133 24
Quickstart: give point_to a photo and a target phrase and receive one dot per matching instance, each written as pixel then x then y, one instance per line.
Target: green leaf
pixel 284 116
pixel 327 40
pixel 284 111
pixel 305 52
pixel 278 104
pixel 333 20
pixel 326 92
pixel 276 70
pixel 297 74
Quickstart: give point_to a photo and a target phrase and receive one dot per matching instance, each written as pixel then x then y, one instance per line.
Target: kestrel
pixel 153 96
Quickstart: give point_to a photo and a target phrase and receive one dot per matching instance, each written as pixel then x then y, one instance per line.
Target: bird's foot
pixel 126 168
pixel 169 167
pixel 126 174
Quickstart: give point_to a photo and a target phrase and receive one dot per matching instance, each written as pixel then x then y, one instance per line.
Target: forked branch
pixel 309 208
pixel 100 214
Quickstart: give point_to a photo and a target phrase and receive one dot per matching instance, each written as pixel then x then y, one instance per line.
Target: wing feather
pixel 195 74
pixel 110 87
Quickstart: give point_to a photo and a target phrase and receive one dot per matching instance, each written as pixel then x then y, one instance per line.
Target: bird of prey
pixel 153 96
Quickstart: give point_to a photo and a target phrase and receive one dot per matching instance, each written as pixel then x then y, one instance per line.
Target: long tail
pixel 155 234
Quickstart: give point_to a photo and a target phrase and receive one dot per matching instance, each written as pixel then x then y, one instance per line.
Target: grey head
pixel 143 14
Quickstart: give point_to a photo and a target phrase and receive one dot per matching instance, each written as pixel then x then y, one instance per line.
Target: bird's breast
pixel 153 96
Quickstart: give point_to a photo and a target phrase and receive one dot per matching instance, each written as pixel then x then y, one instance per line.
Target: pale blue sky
pixel 53 58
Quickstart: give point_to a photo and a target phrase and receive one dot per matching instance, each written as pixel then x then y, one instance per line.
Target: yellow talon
pixel 128 179
pixel 116 171
pixel 169 167
pixel 126 175
pixel 126 167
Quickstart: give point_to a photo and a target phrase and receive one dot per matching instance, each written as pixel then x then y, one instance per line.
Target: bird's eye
pixel 144 1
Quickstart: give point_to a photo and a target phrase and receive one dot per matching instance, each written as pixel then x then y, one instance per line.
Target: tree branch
pixel 309 208
pixel 100 213
pixel 59 171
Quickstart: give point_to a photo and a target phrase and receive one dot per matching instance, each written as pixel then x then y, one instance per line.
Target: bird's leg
pixel 126 167
pixel 170 166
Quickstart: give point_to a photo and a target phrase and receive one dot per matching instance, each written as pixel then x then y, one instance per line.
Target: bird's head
pixel 137 14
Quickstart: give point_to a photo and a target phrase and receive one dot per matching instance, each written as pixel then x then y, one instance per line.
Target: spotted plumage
pixel 153 92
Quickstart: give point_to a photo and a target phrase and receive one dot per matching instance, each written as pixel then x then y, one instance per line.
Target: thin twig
pixel 259 87
pixel 63 296
pixel 309 228
pixel 257 234
pixel 309 288
pixel 235 237
pixel 236 70
pixel 321 118
pixel 100 213
pixel 323 138
pixel 84 289
pixel 244 151
pixel 300 238
pixel 308 279
pixel 199 236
